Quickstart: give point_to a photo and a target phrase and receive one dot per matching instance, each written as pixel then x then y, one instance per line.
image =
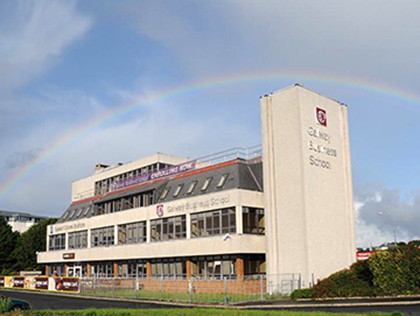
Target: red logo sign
pixel 321 116
pixel 159 210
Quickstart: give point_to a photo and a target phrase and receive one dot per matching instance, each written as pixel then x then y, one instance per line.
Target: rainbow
pixel 13 181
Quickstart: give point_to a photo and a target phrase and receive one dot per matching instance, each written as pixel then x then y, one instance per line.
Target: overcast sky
pixel 66 64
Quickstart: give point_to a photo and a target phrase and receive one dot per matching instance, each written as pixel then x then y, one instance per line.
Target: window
pixel 132 268
pixel 214 267
pixel 178 190
pixel 253 220
pixel 133 233
pixel 78 240
pixel 103 269
pixel 211 223
pixel 102 237
pixel 169 269
pixel 57 242
pixel 125 203
pixel 206 184
pixel 164 193
pixel 168 228
pixel 191 187
pixel 222 181
pixel 79 212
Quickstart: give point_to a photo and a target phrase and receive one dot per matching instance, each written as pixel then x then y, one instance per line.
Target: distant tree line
pixel 18 251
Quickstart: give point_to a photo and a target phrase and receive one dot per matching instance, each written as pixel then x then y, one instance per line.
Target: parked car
pixel 14 304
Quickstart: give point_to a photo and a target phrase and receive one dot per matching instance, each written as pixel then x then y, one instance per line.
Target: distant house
pixel 20 222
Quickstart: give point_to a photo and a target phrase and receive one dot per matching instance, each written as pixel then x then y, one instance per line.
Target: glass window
pixel 222 181
pixel 78 240
pixel 164 193
pixel 102 236
pixel 132 233
pixel 168 228
pixel 253 220
pixel 213 223
pixel 206 184
pixel 178 190
pixel 191 187
pixel 57 242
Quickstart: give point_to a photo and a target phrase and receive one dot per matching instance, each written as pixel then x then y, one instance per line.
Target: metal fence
pixel 257 287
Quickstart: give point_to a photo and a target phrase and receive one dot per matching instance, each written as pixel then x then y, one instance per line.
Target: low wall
pixel 40 283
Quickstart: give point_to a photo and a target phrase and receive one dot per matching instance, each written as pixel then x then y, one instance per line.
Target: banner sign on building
pixel 19 282
pixel 41 283
pixel 155 175
pixel 1 281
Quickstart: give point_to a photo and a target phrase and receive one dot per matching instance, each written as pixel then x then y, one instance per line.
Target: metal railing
pixel 222 291
pixel 232 153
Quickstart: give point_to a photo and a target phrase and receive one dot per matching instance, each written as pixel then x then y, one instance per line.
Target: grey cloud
pixel 21 158
pixel 387 210
pixel 34 35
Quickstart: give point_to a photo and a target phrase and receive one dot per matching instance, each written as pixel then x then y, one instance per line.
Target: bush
pixel 302 293
pixel 397 271
pixel 345 283
pixel 5 304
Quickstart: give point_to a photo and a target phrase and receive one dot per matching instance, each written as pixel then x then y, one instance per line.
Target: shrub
pixel 302 293
pixel 5 304
pixel 397 271
pixel 344 283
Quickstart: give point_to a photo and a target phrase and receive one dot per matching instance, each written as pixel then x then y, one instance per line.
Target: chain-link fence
pixel 256 287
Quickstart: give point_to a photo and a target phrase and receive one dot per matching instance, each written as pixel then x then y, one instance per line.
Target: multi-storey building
pixel 20 222
pixel 286 209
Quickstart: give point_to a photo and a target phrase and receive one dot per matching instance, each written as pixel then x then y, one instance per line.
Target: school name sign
pixel 155 175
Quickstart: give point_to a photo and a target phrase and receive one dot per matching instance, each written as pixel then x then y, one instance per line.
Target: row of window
pixel 210 223
pixel 104 186
pixel 147 198
pixel 205 267
pixel 125 203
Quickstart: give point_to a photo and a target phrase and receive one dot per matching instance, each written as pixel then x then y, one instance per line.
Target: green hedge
pixel 391 272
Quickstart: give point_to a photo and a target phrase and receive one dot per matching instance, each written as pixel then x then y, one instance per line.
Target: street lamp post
pixel 393 229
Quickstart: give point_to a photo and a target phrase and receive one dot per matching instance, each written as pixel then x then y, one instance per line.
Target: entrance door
pixel 75 271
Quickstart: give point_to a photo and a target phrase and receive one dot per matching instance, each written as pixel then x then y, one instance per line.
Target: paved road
pixel 39 300
pixel 48 301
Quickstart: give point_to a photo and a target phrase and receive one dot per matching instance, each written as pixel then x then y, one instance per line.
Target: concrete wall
pixel 307 184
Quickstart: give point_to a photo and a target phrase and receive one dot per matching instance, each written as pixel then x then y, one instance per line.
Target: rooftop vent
pixel 100 166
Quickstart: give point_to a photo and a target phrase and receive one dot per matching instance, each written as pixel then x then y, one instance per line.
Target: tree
pixel 8 240
pixel 31 242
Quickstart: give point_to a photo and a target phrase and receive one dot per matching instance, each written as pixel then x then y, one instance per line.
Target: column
pixel 116 235
pixel 188 224
pixel 240 268
pixel 88 238
pixel 66 267
pixel 149 270
pixel 115 270
pixel 88 270
pixel 189 268
pixel 47 270
pixel 239 220
pixel 148 231
pixel 67 242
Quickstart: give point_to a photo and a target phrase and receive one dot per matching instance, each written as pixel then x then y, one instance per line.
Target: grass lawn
pixel 209 298
pixel 186 312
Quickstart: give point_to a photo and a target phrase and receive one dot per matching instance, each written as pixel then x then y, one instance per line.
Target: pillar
pixel 66 267
pixel 47 270
pixel 88 270
pixel 240 268
pixel 189 268
pixel 149 270
pixel 115 270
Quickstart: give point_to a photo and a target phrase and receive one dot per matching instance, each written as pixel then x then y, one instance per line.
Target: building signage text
pixel 65 228
pixel 320 149
pixel 198 205
pixel 162 173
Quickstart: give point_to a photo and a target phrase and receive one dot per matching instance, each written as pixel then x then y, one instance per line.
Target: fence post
pixel 262 286
pixel 300 281
pixel 293 283
pixel 225 291
pixel 136 285
pixel 190 290
pixel 161 288
pixel 113 287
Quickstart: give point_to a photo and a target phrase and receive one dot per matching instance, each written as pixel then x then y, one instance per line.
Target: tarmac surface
pixel 41 300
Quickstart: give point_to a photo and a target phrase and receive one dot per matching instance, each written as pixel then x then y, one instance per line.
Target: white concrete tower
pixel 307 184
